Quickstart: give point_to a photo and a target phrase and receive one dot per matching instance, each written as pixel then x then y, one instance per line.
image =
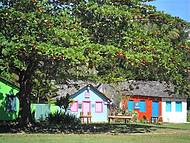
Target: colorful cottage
pixel 90 101
pixel 153 100
pixel 9 103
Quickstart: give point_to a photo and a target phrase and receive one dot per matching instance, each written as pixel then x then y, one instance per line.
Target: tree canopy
pixel 34 36
pixel 151 45
pixel 101 40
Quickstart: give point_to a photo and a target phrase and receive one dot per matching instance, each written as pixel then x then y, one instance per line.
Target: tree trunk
pixel 25 116
pixel 25 111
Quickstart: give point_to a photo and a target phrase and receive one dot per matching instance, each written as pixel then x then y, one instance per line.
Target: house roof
pixel 91 88
pixel 115 90
pixel 149 88
pixel 9 83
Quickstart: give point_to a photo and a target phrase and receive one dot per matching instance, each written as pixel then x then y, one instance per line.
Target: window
pixel 178 106
pixel 74 106
pixel 142 106
pixel 87 94
pixel 168 106
pixel 11 102
pixel 99 107
pixel 130 105
pixel 80 105
pixel 136 106
pixel 93 105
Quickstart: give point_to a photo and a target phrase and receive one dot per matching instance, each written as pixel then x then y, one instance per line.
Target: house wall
pixel 5 88
pixel 148 101
pixel 96 117
pixel 52 107
pixel 173 116
pixel 41 111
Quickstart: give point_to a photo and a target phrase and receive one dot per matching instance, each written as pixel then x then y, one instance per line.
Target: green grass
pixel 59 138
pixel 185 126
pixel 167 133
pixel 181 126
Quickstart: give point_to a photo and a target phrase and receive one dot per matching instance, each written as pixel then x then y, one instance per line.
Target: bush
pixel 55 117
pixel 70 119
pixel 63 119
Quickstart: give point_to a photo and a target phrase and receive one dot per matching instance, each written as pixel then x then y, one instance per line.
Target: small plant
pixel 134 114
pixel 64 102
pixel 188 116
pixel 144 119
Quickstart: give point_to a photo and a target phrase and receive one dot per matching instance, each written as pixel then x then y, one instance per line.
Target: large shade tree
pixel 102 40
pixel 35 35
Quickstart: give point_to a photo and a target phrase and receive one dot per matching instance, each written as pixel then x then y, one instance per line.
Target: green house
pixel 9 103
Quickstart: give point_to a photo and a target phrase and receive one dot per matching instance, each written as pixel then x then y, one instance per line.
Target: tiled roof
pixel 148 88
pixel 113 91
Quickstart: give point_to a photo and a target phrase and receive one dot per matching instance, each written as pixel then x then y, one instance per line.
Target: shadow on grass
pixel 79 129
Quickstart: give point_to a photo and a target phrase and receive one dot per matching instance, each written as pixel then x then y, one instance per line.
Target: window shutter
pixel 99 107
pixel 74 107
pixel 178 106
pixel 130 105
pixel 168 106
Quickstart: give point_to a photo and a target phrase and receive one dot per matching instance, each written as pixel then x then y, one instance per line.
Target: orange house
pixel 148 108
pixel 145 97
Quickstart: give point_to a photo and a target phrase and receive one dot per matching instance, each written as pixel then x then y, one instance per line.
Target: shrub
pixel 55 117
pixel 70 119
pixel 63 119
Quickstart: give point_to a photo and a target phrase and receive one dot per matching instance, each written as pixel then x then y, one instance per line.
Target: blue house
pixel 88 101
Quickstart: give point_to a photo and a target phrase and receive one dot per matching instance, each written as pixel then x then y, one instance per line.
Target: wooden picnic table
pixel 87 117
pixel 125 118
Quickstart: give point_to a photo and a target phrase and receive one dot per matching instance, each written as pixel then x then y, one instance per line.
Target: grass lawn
pixel 59 138
pixel 185 126
pixel 170 133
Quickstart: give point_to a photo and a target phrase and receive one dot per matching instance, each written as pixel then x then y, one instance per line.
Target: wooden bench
pixel 125 118
pixel 87 117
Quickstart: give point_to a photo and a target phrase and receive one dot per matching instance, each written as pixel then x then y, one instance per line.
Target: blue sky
pixel 180 8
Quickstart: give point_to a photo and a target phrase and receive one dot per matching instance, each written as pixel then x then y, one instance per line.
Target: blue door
pixel 130 105
pixel 155 109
